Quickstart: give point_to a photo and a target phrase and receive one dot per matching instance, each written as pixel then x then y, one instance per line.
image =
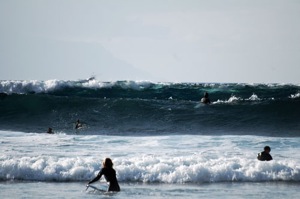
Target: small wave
pixel 192 169
pixel 254 97
pixel 232 99
pixel 297 95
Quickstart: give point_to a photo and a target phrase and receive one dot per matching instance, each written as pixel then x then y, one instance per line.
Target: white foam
pixel 23 87
pixel 166 159
pixel 232 99
pixel 254 97
pixel 297 95
pixel 150 169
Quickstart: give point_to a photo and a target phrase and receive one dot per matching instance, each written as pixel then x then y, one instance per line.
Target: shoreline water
pixel 76 190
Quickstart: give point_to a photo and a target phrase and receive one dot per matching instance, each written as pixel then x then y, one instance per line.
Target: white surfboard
pixel 95 188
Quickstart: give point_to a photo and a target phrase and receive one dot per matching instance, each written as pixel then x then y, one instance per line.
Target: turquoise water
pixel 150 109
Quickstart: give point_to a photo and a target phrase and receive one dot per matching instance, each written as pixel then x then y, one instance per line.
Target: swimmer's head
pixel 206 94
pixel 267 149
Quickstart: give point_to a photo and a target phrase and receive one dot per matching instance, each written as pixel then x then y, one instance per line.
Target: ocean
pixel 164 143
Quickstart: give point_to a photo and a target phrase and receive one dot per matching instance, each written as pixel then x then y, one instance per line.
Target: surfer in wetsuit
pixel 265 155
pixel 78 124
pixel 205 99
pixel 50 131
pixel 109 174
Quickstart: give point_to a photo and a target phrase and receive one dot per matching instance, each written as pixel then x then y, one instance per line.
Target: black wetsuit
pixel 263 156
pixel 110 176
pixel 205 100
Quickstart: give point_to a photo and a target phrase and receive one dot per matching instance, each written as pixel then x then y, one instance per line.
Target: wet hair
pixel 206 94
pixel 107 163
pixel 267 148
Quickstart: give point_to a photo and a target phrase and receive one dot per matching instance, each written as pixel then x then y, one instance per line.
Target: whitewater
pixel 163 142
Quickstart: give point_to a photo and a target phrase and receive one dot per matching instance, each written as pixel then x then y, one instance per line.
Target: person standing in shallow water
pixel 265 155
pixel 109 174
pixel 205 99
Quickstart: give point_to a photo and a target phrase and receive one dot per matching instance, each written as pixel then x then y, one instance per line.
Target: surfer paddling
pixel 109 174
pixel 205 99
pixel 265 155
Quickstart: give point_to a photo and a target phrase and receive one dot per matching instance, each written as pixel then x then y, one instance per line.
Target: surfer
pixel 205 99
pixel 109 174
pixel 78 124
pixel 50 131
pixel 265 155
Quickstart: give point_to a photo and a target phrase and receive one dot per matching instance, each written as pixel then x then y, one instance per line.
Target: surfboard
pixel 198 105
pixel 94 188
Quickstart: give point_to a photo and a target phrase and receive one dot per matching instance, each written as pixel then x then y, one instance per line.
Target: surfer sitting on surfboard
pixel 205 99
pixel 78 124
pixel 265 155
pixel 109 174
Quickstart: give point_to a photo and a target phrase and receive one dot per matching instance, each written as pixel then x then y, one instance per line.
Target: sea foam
pixel 161 159
pixel 35 86
pixel 150 169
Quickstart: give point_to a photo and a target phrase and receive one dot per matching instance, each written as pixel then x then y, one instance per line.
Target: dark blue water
pixel 145 108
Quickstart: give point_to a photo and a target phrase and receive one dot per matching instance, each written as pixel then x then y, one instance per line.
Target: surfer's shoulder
pixel 265 155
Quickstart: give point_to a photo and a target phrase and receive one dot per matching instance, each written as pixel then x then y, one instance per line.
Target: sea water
pixel 163 142
pixel 133 190
pixel 41 165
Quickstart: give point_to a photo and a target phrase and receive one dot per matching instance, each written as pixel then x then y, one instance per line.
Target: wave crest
pixel 150 169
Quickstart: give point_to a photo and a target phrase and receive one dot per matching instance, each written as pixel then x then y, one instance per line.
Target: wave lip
pixel 32 86
pixel 35 86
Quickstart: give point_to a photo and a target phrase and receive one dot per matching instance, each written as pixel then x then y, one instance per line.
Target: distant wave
pixel 91 84
pixel 34 86
pixel 143 107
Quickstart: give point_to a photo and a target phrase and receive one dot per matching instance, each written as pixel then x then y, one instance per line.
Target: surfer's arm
pixel 96 178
